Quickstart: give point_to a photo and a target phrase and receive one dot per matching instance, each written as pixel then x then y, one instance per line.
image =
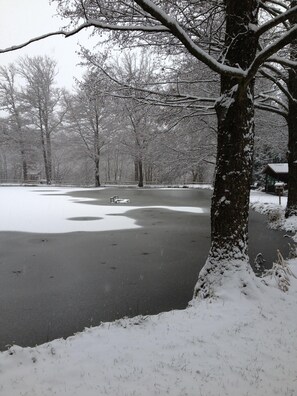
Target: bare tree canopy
pixel 174 23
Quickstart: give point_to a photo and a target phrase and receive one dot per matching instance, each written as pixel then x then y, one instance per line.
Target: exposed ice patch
pixel 27 210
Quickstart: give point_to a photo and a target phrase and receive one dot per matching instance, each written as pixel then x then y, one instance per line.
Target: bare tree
pixel 138 127
pixel 11 103
pixel 90 118
pixel 41 99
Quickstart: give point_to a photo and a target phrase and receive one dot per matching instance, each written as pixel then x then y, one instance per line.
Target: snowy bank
pixel 268 205
pixel 236 345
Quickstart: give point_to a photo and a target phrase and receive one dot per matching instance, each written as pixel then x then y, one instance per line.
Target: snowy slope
pixel 233 346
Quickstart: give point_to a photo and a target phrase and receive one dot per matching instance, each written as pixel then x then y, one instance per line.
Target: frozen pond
pixel 144 260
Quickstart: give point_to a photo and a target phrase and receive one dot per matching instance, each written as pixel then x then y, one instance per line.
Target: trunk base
pixel 291 211
pixel 219 277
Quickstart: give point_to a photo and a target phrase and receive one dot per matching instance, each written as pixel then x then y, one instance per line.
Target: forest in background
pixel 128 120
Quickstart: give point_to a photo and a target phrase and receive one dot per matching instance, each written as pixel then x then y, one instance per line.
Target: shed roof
pixel 278 168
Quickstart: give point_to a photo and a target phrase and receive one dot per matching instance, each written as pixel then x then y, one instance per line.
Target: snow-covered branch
pixel 89 24
pixel 277 82
pixel 282 61
pixel 188 43
pixel 276 21
pixel 271 109
pixel 150 96
pixel 270 50
pixel 265 97
pixel 278 3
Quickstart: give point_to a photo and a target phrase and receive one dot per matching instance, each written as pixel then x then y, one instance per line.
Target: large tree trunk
pixel 230 202
pixel 140 173
pixel 291 209
pixel 23 151
pixel 4 167
pixel 136 170
pixel 148 173
pixel 44 154
pixel 108 178
pixel 97 150
pixel 22 146
pixel 49 158
pixel 45 145
pixel 24 165
pixel 97 168
pixel 194 175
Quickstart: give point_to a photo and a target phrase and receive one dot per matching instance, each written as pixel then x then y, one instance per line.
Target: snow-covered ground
pixel 269 205
pixel 239 344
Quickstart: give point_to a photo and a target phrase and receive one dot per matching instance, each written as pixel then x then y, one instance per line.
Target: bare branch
pixel 280 74
pixel 282 61
pixel 265 54
pixel 271 109
pixel 167 24
pixel 183 37
pixel 279 3
pixel 170 98
pixel 282 17
pixel 90 23
pixel 264 98
pixel 277 83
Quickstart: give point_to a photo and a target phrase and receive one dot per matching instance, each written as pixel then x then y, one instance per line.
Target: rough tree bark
pixel 49 171
pixel 97 176
pixel 45 145
pixel 21 141
pixel 140 173
pixel 44 154
pixel 22 146
pixel 136 170
pixel 97 149
pixel 235 113
pixel 24 164
pixel 291 209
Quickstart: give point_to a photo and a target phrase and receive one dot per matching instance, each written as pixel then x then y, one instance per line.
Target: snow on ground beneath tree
pixel 237 344
pixel 234 345
pixel 45 210
pixel 269 205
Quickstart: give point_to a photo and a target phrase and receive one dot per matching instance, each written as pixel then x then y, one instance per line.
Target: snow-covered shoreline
pixel 238 344
pixel 268 205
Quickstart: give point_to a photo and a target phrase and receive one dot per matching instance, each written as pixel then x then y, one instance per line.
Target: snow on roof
pixel 279 168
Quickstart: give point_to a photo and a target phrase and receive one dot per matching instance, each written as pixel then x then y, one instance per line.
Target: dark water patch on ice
pixel 47 191
pixel 84 218
pixel 53 194
pixel 116 214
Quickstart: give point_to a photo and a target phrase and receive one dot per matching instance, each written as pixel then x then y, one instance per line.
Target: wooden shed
pixel 275 173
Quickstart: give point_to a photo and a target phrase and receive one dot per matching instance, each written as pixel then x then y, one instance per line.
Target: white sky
pixel 24 19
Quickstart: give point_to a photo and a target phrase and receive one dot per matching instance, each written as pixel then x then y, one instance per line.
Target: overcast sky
pixel 24 19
